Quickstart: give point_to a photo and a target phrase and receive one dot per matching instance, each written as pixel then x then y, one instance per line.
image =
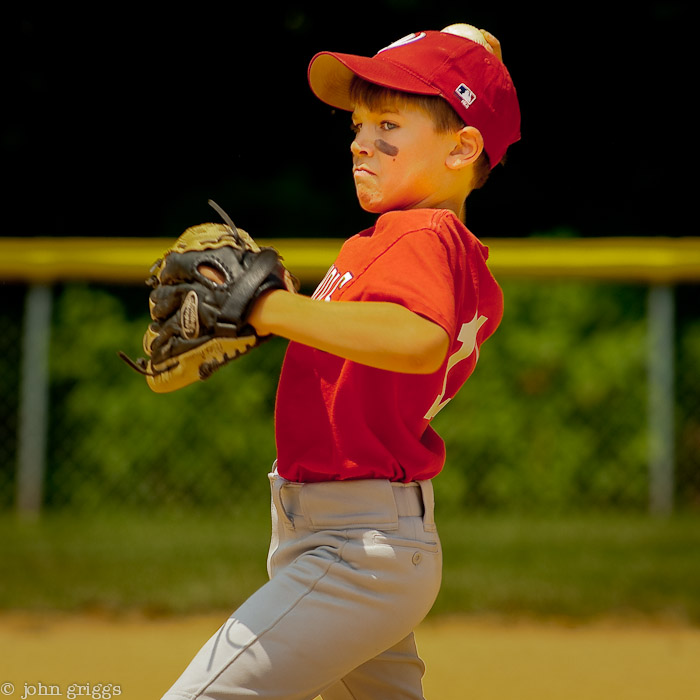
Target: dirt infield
pixel 137 659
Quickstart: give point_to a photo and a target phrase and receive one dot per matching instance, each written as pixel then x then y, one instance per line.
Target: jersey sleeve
pixel 417 272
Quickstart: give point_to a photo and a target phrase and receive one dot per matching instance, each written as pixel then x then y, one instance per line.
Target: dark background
pixel 124 122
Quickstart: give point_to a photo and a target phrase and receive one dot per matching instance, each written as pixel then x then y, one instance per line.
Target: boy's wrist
pixel 261 315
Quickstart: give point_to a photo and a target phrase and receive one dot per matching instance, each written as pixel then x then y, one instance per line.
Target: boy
pixel 355 559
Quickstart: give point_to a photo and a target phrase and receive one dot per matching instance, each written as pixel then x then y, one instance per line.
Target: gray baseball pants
pixel 354 566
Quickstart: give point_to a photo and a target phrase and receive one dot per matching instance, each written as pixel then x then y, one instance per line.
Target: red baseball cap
pixel 471 78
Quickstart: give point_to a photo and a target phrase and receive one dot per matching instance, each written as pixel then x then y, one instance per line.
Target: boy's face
pixel 399 160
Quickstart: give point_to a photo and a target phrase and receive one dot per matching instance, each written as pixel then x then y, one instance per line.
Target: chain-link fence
pixel 557 416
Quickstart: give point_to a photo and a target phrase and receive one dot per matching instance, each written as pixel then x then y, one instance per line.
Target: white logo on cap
pixel 465 95
pixel 408 39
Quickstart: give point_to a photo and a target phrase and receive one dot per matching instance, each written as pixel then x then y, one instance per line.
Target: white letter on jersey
pixel 332 281
pixel 467 335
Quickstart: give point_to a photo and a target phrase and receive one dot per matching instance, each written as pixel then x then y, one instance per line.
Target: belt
pixel 365 495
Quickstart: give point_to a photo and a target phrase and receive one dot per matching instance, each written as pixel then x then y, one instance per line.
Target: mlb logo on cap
pixel 465 95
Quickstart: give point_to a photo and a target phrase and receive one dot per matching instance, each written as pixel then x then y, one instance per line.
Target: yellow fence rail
pixel 127 260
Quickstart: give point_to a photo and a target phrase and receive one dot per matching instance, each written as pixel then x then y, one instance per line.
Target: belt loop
pixel 428 494
pixel 277 483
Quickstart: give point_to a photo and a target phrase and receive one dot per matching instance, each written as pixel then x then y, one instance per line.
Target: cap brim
pixel 330 76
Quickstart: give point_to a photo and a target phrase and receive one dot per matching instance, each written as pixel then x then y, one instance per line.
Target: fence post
pixel 34 401
pixel 661 398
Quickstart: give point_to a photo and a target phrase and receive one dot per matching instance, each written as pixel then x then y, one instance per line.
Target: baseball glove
pixel 199 324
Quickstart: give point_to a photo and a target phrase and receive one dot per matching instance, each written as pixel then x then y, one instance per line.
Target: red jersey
pixel 337 419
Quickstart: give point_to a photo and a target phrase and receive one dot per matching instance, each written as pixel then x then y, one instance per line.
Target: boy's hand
pixel 494 43
pixel 480 36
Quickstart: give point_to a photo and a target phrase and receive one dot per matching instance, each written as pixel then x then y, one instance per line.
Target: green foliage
pixel 688 415
pixel 12 298
pixel 115 440
pixel 554 417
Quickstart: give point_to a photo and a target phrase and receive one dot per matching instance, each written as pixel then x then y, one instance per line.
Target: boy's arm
pixel 379 334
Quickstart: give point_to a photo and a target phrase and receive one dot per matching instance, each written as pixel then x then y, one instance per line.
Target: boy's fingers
pixel 494 43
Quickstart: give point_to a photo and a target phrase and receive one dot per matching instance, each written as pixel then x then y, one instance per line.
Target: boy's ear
pixel 469 147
